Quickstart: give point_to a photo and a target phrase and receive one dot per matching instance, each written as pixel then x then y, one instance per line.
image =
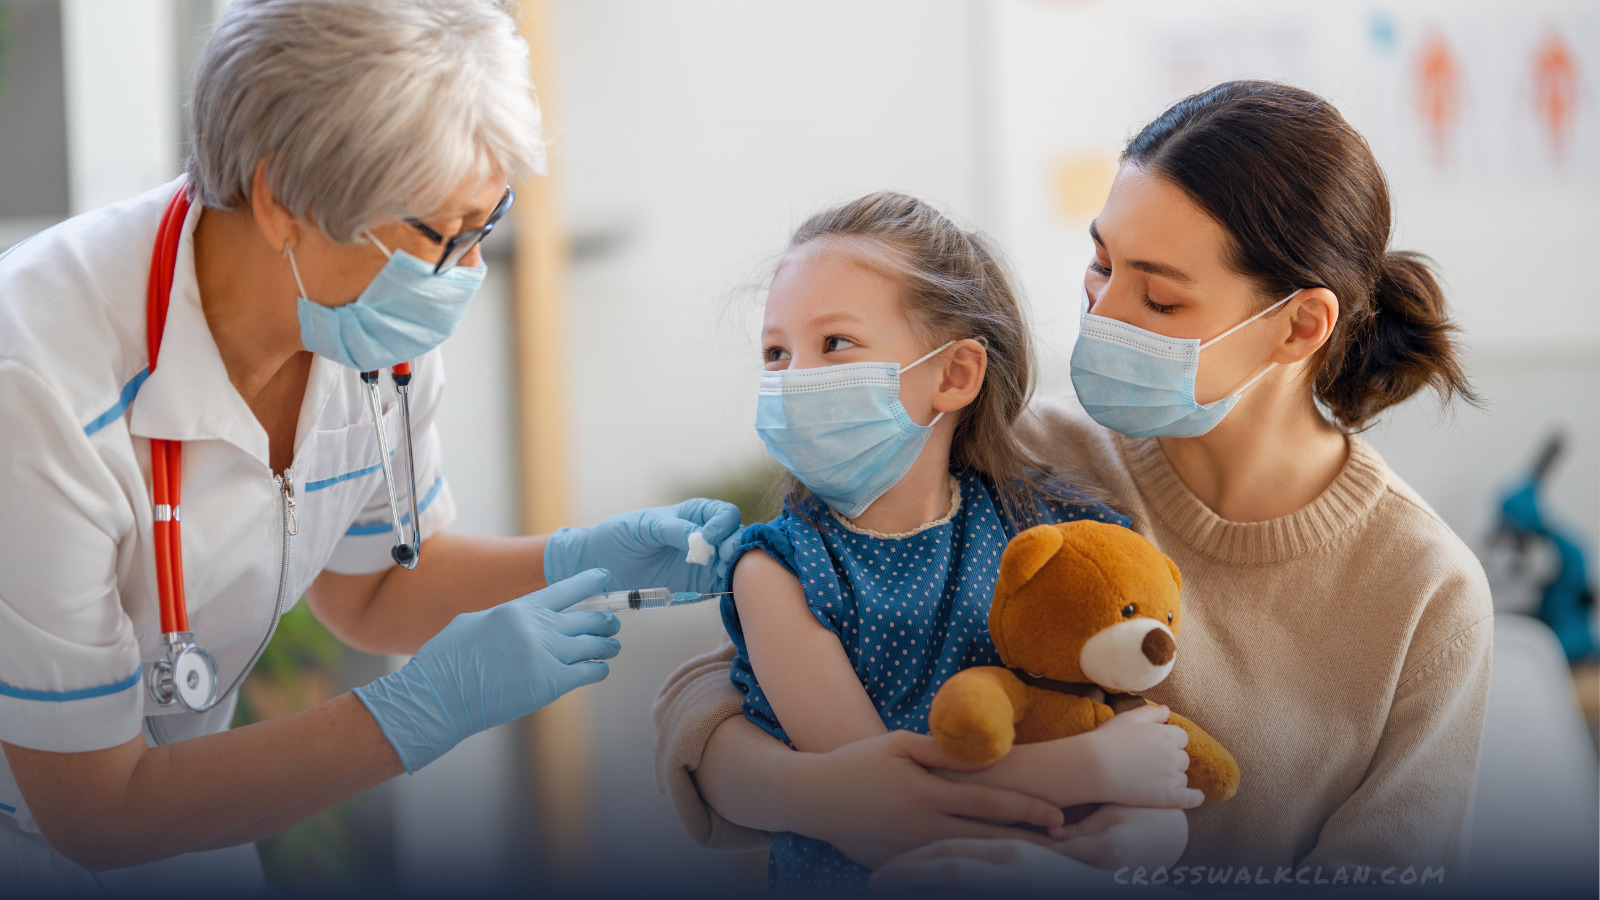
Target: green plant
pixel 748 487
pixel 300 645
pixel 321 854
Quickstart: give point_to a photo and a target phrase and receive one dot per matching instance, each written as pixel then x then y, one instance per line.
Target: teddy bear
pixel 1084 616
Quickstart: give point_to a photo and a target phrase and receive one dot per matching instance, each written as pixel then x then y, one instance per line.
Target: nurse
pixel 348 157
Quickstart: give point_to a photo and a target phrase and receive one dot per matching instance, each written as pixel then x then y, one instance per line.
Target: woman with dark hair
pixel 1244 320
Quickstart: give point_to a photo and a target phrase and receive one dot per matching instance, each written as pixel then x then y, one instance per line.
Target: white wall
pixel 702 133
pixel 122 98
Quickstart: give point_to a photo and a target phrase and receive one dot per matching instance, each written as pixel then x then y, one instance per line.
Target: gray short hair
pixel 365 110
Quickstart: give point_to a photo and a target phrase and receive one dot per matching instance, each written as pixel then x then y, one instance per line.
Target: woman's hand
pixel 649 547
pixel 988 868
pixel 875 799
pixel 1115 836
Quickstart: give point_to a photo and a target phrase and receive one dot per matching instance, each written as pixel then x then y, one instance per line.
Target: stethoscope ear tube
pixel 404 553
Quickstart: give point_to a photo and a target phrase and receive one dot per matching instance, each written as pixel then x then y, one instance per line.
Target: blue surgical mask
pixel 404 312
pixel 841 429
pixel 1141 384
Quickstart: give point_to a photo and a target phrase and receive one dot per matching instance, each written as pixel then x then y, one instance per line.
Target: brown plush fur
pixel 1059 586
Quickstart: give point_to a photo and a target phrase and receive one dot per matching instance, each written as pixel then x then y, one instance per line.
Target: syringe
pixel 642 598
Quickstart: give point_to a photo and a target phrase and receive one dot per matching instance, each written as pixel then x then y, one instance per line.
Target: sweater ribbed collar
pixel 1343 506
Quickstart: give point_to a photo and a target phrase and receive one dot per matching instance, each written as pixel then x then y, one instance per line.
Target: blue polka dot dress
pixel 910 611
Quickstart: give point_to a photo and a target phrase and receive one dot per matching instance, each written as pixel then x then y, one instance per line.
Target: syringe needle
pixel 641 598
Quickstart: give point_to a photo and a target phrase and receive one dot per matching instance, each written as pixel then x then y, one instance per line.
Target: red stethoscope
pixel 187 673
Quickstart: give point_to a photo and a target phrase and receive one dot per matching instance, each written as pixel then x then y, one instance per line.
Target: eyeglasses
pixel 457 247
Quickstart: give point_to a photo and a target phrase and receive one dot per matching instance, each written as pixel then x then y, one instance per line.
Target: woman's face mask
pixel 405 311
pixel 1142 384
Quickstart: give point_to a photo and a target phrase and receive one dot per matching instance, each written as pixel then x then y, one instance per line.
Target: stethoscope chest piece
pixel 186 675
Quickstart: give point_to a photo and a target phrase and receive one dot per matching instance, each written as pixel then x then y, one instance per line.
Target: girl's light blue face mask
pixel 403 313
pixel 841 429
pixel 1141 384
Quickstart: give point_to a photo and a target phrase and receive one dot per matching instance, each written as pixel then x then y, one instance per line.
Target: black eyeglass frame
pixel 461 244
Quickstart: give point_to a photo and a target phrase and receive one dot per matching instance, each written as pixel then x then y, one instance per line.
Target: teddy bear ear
pixel 1177 576
pixel 1027 553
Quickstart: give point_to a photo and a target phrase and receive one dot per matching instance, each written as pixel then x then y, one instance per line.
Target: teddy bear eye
pixel 1169 618
pixel 1127 611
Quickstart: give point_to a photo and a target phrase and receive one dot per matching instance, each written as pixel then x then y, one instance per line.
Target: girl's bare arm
pixel 802 667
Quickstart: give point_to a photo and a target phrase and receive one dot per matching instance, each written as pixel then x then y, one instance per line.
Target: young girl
pixel 897 359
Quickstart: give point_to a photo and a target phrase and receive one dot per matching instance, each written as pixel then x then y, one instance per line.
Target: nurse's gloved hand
pixel 489 667
pixel 648 547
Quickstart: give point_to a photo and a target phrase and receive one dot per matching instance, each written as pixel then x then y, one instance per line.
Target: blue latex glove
pixel 647 547
pixel 487 668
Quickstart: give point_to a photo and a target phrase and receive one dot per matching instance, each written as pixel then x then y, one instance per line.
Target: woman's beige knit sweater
pixel 1340 652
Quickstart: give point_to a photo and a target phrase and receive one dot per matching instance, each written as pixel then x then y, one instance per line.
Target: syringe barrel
pixel 616 601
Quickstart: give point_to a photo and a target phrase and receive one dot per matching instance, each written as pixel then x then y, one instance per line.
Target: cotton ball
pixel 700 550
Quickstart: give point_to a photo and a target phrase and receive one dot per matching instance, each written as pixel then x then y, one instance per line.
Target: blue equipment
pixel 1567 600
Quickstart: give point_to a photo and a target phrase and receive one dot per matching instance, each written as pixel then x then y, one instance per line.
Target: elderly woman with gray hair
pixel 348 158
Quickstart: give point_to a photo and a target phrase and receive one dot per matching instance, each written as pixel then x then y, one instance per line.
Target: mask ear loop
pixel 947 346
pixel 1253 379
pixel 904 369
pixel 1251 319
pixel 288 253
pixel 374 239
pixel 1271 365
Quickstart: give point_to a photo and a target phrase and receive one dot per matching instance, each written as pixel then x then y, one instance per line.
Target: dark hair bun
pixel 1407 343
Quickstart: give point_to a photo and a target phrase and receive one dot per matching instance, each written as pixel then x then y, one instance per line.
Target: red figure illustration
pixel 1555 92
pixel 1438 93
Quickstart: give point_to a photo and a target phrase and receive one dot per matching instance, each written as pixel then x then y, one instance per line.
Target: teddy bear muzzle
pixel 1129 656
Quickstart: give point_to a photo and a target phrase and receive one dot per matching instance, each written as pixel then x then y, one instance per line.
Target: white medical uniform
pixel 79 622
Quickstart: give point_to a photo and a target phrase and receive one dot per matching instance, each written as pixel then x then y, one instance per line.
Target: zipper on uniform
pixel 291 526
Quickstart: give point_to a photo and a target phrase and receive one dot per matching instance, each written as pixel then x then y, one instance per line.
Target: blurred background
pixel 611 360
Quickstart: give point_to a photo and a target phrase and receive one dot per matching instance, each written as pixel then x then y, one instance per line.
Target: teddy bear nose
pixel 1158 647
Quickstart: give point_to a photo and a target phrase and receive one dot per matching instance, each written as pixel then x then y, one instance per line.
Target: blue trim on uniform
pixel 427 499
pixel 129 391
pixel 330 482
pixel 383 527
pixel 8 810
pixel 103 690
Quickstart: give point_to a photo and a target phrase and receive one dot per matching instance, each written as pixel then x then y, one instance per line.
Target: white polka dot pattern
pixel 910 613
